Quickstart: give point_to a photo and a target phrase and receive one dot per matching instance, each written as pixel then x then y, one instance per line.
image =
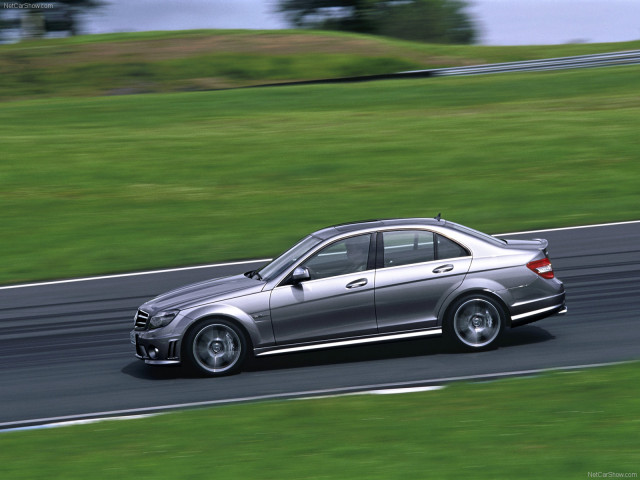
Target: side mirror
pixel 300 274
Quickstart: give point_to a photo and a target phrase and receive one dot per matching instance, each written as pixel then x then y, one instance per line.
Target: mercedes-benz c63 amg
pixel 351 284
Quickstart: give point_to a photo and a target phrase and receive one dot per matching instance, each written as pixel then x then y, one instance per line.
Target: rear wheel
pixel 216 347
pixel 475 322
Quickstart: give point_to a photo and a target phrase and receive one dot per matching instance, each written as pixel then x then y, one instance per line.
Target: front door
pixel 336 302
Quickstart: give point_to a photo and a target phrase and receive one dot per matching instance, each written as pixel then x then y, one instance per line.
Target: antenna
pixel 438 217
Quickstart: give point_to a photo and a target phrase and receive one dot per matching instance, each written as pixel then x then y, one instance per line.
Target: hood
pixel 203 292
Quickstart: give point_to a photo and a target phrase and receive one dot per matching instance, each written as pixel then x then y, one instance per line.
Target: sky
pixel 500 22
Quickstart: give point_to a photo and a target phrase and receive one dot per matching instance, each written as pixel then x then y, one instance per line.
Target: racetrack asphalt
pixel 65 351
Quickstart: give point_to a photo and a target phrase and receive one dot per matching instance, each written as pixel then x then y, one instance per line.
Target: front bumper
pixel 155 349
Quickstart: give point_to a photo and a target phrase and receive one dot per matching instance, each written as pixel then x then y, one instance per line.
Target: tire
pixel 215 347
pixel 475 322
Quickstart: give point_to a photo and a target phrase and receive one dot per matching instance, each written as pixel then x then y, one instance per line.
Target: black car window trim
pixel 380 250
pixel 373 251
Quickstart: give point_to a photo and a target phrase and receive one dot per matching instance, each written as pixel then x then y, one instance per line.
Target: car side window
pixel 449 249
pixel 340 258
pixel 407 247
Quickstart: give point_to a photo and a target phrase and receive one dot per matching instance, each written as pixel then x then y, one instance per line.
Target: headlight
pixel 162 319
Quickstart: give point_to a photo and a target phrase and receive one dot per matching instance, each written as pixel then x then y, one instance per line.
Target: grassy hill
pixel 212 59
pixel 109 184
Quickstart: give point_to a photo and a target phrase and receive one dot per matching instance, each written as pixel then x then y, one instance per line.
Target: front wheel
pixel 475 322
pixel 216 347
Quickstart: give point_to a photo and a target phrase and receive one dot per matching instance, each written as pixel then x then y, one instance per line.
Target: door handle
pixel 443 268
pixel 361 282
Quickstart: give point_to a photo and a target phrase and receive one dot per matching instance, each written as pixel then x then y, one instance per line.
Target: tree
pixel 9 25
pixel 353 15
pixel 442 21
pixel 36 19
pixel 67 18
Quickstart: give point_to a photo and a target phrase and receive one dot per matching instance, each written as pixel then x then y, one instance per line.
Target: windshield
pixel 288 258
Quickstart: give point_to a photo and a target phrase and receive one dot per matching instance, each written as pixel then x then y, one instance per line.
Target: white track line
pixel 88 421
pixel 568 228
pixel 122 275
pixel 397 391
pixel 384 391
pixel 400 387
pixel 169 270
pixel 77 422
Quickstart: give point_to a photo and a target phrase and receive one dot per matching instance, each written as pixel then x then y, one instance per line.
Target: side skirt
pixel 345 343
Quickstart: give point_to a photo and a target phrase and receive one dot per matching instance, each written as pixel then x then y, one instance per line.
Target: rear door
pixel 416 269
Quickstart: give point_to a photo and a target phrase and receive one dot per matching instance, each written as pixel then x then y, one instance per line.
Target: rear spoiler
pixel 544 243
pixel 534 244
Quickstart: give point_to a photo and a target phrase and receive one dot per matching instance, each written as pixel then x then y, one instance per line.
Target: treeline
pixel 440 21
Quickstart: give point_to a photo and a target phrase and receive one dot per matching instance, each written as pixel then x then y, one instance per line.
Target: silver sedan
pixel 353 284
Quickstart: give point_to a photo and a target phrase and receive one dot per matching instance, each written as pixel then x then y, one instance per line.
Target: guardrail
pixel 630 57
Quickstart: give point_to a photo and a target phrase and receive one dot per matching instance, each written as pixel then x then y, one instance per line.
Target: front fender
pixel 259 329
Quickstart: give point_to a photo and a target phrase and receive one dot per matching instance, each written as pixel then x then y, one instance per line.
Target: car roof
pixel 334 230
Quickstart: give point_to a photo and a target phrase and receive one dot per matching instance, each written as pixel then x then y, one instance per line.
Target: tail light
pixel 541 267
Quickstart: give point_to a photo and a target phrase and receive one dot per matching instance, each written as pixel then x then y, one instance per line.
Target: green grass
pixel 110 184
pixel 96 185
pixel 212 59
pixel 559 425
